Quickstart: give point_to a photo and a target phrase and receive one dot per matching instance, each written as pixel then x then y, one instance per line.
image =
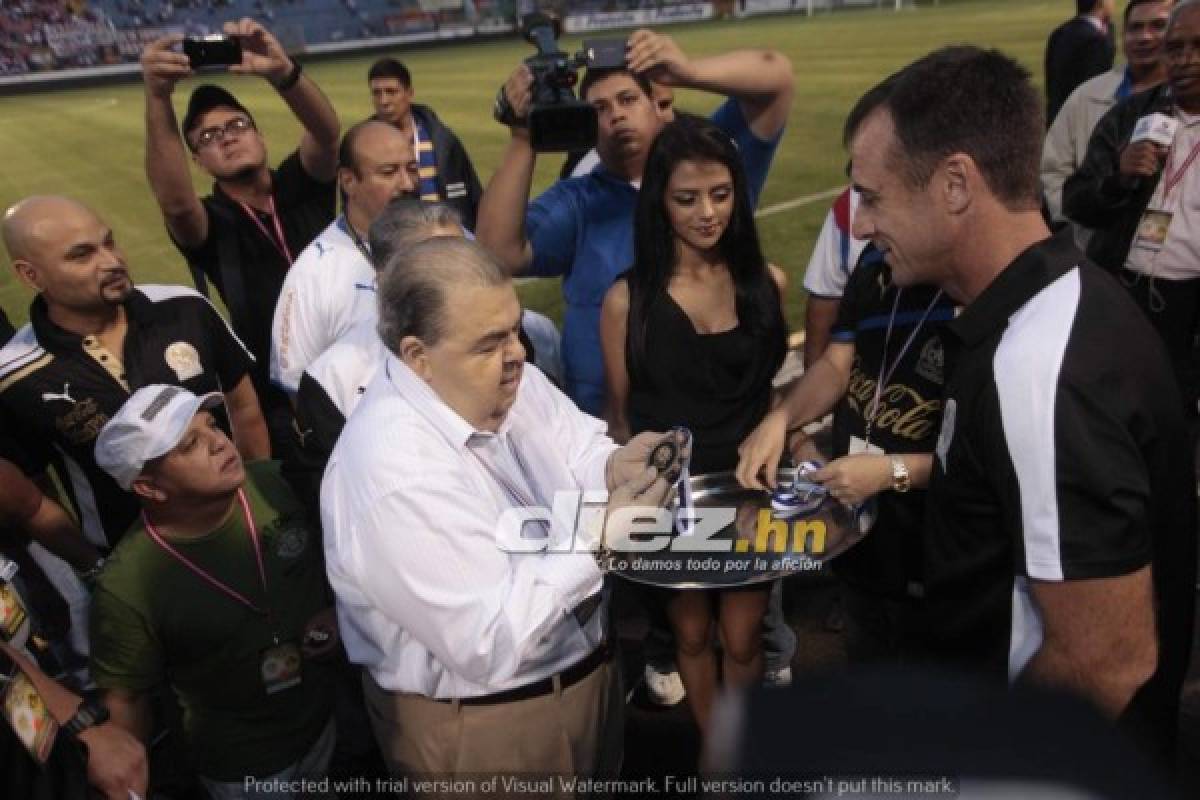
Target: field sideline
pixel 89 143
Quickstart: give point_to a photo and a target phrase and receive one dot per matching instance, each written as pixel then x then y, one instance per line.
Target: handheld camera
pixel 558 121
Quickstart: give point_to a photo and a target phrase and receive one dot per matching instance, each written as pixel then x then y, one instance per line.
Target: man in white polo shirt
pixel 332 284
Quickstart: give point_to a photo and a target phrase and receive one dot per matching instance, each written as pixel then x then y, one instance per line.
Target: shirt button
pixel 103 357
pixel 89 341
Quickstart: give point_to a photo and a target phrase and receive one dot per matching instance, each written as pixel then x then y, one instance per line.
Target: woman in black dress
pixel 692 335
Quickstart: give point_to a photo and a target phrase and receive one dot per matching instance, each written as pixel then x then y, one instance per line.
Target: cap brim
pixel 168 443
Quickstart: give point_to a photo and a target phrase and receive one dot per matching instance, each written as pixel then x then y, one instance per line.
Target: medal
pixel 801 495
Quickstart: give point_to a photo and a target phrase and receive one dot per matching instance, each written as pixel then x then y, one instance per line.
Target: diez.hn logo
pixel 574 522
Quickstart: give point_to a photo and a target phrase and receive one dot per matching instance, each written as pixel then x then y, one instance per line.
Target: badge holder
pixel 14 618
pixel 280 666
pixel 28 715
pixel 1152 230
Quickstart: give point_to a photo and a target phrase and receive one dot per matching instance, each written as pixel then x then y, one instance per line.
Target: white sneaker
pixel 664 688
pixel 778 678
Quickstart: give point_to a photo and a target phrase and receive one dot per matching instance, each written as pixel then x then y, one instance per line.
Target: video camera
pixel 558 121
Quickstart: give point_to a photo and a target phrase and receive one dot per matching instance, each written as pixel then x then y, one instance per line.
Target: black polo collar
pixel 139 310
pixel 1035 269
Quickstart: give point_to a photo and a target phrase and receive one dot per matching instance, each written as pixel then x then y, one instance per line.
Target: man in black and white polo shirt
pixel 1061 512
pixel 92 339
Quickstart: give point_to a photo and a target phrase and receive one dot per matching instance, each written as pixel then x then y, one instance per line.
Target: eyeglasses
pixel 236 125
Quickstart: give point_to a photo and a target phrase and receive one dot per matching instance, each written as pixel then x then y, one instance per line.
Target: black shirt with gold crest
pixel 58 389
pixel 897 337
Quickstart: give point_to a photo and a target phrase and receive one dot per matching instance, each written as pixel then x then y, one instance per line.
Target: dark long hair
pixel 692 138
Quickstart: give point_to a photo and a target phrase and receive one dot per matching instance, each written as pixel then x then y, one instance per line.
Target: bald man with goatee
pixel 92 339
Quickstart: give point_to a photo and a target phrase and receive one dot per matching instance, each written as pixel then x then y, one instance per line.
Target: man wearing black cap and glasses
pixel 245 235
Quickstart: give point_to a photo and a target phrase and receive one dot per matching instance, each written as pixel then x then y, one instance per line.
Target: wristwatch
pixel 91 712
pixel 89 575
pixel 901 480
pixel 291 79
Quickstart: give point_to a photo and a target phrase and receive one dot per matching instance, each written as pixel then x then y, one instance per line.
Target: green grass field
pixel 89 143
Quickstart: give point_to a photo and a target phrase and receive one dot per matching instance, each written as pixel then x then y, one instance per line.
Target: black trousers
pixel 1173 308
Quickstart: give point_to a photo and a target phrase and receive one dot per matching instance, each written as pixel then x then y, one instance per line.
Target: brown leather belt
pixel 568 677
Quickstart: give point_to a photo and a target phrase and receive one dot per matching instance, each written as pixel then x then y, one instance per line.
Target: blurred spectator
pixel 1133 194
pixel 1067 141
pixel 920 733
pixel 1080 48
pixel 447 174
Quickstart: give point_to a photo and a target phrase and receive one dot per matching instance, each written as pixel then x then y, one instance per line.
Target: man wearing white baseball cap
pixel 220 591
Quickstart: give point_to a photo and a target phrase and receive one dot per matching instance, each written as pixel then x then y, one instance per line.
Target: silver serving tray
pixel 747 555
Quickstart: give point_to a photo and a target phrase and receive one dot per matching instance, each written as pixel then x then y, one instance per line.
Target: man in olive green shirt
pixel 220 591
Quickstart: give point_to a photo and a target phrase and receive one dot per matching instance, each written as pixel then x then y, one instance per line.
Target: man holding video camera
pixel 582 228
pixel 245 235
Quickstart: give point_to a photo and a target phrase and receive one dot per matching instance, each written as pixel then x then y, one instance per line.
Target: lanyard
pixel 358 242
pixel 278 241
pixel 1170 181
pixel 212 581
pixel 886 372
pixel 516 493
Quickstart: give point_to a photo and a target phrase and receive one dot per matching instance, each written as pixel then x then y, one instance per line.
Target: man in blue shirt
pixel 582 228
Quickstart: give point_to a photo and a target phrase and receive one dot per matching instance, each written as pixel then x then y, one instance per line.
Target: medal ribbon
pixel 278 241
pixel 886 372
pixel 212 581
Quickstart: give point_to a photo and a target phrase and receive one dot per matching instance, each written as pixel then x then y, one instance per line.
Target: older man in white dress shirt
pixel 479 659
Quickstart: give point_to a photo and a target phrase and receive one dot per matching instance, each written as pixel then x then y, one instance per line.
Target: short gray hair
pixel 412 288
pixel 404 222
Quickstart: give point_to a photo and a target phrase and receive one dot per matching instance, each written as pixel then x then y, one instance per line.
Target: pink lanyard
pixel 214 582
pixel 278 240
pixel 1170 181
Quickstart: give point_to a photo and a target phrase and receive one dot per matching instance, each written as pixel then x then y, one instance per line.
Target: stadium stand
pixel 38 35
pixel 48 35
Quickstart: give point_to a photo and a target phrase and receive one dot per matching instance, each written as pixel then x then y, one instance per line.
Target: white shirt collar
pixel 1186 119
pixel 425 401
